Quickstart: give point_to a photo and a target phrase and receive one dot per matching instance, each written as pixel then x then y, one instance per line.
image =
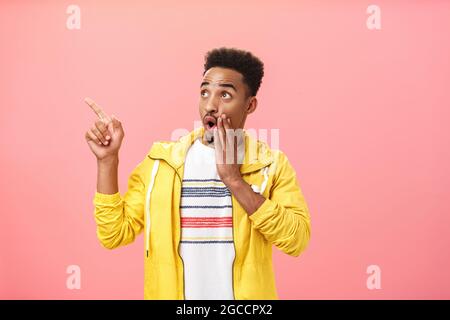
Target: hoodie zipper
pixel 147 205
pixel 179 232
pixel 179 241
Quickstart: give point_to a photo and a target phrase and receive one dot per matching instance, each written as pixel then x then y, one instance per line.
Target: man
pixel 209 223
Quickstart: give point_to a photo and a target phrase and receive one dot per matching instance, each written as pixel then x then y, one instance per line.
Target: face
pixel 222 91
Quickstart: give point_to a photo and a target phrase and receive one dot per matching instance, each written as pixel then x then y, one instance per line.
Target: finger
pixel 222 138
pixel 95 107
pixel 221 130
pixel 112 123
pixel 235 138
pixel 240 145
pixel 218 147
pixel 99 135
pixel 229 141
pixel 116 124
pixel 90 136
pixel 229 123
pixel 101 126
pixel 229 133
pixel 111 127
pixel 225 122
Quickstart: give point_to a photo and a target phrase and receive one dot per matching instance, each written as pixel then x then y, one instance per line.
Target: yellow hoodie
pixel 152 202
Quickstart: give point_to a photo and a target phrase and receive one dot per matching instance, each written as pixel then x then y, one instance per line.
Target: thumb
pixel 115 123
pixel 111 127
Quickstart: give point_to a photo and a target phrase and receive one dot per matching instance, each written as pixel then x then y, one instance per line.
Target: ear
pixel 252 105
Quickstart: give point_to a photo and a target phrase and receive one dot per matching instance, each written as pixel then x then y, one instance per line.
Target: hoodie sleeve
pixel 119 218
pixel 284 218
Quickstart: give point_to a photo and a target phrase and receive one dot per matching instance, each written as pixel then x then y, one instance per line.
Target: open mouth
pixel 210 122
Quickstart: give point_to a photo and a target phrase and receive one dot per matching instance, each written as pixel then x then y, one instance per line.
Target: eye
pixel 226 95
pixel 203 93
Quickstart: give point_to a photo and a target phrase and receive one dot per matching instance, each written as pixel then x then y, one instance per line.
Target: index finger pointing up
pixel 100 113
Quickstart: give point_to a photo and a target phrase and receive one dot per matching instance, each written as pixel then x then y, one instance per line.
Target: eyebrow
pixel 226 85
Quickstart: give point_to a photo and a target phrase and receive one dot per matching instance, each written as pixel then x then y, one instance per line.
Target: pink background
pixel 363 117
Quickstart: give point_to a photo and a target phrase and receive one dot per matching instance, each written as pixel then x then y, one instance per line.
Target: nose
pixel 212 105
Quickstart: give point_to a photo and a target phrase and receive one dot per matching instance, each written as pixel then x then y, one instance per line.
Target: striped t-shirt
pixel 207 247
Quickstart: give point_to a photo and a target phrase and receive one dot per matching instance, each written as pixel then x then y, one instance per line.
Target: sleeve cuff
pixel 265 211
pixel 108 199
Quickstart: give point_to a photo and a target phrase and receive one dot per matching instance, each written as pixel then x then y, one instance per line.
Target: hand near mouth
pixel 229 171
pixel 226 149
